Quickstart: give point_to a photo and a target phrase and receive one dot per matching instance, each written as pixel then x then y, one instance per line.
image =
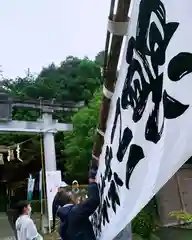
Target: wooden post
pixel 109 74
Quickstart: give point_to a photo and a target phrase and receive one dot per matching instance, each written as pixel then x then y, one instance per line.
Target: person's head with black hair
pixel 24 208
pixel 65 198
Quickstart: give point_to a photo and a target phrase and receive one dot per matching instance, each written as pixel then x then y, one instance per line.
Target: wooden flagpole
pixel 109 73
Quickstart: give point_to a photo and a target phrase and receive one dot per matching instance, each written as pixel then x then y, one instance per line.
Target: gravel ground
pixel 165 233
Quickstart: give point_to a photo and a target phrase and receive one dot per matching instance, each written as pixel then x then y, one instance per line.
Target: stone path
pixel 6 232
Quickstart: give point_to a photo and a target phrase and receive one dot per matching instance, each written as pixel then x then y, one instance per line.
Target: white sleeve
pixel 31 231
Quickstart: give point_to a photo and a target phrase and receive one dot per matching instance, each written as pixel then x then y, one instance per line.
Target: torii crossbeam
pixel 45 125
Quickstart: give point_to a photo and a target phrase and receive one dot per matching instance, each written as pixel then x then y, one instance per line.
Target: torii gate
pixel 45 124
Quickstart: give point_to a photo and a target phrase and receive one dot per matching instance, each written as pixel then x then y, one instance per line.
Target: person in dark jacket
pixel 58 201
pixel 55 205
pixel 75 223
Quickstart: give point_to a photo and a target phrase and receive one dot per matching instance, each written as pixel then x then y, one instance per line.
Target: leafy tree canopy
pixel 73 80
pixel 79 142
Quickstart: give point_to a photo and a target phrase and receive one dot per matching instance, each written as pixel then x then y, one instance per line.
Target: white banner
pixel 31 182
pixel 53 182
pixel 40 184
pixel 30 188
pixel 149 131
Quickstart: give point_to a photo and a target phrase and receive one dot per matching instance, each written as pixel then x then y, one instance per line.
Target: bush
pixel 182 216
pixel 36 206
pixel 144 223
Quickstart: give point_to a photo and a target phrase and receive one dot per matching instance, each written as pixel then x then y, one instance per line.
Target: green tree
pixel 99 59
pixel 79 142
pixel 73 80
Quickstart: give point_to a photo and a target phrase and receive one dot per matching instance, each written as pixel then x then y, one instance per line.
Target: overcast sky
pixel 35 33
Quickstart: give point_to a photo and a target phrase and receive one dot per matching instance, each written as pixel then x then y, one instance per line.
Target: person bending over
pixel 75 223
pixel 57 202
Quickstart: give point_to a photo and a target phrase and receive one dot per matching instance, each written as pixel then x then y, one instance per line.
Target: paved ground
pixel 6 231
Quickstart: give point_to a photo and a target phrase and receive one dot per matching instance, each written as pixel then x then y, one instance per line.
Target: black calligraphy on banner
pixel 135 155
pixel 146 56
pixel 112 199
